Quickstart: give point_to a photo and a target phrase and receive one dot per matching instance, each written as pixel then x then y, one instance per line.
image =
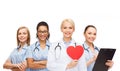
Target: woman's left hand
pixel 22 66
pixel 109 63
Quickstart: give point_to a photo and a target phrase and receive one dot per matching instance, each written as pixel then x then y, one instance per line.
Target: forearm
pixel 16 69
pixel 42 62
pixel 37 64
pixel 90 61
pixel 9 66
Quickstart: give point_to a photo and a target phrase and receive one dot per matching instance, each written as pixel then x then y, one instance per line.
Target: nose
pixel 42 33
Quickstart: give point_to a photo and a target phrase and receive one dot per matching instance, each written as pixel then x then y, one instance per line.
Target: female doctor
pixel 58 59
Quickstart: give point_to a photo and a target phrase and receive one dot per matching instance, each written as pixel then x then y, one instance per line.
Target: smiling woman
pixel 58 59
pixel 104 14
pixel 106 37
pixel 91 51
pixel 37 53
pixel 17 59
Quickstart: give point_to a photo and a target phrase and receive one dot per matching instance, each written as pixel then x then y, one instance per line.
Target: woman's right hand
pixel 72 64
pixel 95 57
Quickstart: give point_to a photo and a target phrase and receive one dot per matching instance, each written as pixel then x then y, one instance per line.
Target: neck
pixel 42 44
pixel 22 44
pixel 89 44
pixel 67 39
pixel 42 41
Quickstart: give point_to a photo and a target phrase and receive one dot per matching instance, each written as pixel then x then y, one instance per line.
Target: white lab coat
pixel 58 59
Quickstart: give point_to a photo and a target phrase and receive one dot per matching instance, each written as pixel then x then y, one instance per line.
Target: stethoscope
pixel 36 47
pixel 58 52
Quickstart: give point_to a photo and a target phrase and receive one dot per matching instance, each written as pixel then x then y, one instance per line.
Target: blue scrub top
pixel 38 53
pixel 89 55
pixel 18 56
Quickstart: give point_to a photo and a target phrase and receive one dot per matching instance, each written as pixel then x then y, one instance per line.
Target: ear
pixel 84 33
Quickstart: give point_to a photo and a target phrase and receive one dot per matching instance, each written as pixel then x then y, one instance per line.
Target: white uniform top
pixel 58 58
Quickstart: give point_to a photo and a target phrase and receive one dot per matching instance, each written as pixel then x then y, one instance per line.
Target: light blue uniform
pixel 89 55
pixel 58 58
pixel 18 56
pixel 38 53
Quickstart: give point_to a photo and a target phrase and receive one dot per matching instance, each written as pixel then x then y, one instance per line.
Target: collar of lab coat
pixel 71 42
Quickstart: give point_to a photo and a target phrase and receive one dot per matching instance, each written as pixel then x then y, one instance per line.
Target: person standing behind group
pixel 91 51
pixel 38 52
pixel 17 59
pixel 58 59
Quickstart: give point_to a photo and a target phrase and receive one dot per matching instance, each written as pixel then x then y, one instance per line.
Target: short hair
pixel 70 21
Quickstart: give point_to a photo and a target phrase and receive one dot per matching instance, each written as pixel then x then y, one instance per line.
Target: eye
pixel 70 27
pixel 19 33
pixel 89 33
pixel 43 32
pixel 24 33
pixel 65 28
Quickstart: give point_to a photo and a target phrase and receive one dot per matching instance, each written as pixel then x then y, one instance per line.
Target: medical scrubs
pixel 18 56
pixel 38 54
pixel 89 54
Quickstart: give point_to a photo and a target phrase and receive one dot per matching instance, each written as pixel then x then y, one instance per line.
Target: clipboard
pixel 103 55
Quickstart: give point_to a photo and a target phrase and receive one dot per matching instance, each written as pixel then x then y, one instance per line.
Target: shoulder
pixel 97 48
pixel 48 43
pixel 78 43
pixel 15 49
pixel 32 46
pixel 54 44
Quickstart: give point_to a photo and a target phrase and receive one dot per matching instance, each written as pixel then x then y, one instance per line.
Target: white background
pixel 104 14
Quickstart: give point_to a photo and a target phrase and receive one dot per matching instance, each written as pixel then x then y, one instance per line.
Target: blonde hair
pixel 68 20
pixel 28 32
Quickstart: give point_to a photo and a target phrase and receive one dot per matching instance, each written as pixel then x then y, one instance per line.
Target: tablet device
pixel 103 55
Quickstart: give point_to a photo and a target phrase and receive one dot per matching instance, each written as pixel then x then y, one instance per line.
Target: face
pixel 22 35
pixel 42 33
pixel 67 29
pixel 90 34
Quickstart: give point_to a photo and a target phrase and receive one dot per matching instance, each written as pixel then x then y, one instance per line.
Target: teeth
pixel 67 33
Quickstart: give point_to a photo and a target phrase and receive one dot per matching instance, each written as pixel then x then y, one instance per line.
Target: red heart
pixel 75 52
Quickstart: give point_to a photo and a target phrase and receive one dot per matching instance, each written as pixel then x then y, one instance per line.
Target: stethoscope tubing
pixel 57 56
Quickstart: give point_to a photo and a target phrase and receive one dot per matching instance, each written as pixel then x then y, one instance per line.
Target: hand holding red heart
pixel 72 64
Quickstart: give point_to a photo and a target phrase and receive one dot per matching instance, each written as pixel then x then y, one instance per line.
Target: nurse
pixel 38 52
pixel 91 51
pixel 17 59
pixel 58 59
